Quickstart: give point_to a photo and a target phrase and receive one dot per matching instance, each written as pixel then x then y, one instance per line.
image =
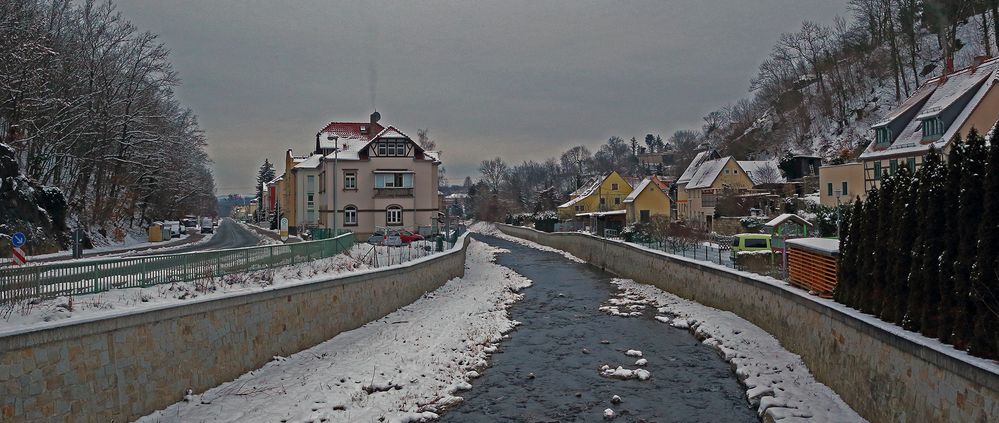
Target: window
pixel 579 208
pixel 877 170
pixel 643 215
pixel 393 180
pixel 755 243
pixel 310 183
pixel 393 216
pixel 726 171
pixel 882 136
pixel 350 180
pixel 613 187
pixel 933 128
pixel 310 202
pixel 350 215
pixel 829 190
pixel 911 163
pixel 893 166
pixel 845 191
pixel 382 149
pixel 603 201
pixel 393 148
pixel 617 200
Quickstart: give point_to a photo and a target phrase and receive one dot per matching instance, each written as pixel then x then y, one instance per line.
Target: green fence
pixel 96 275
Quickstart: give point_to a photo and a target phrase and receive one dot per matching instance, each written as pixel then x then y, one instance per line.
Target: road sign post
pixel 284 229
pixel 17 254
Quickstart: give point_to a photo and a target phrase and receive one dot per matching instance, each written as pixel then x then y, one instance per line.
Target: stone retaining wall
pixel 884 373
pixel 119 368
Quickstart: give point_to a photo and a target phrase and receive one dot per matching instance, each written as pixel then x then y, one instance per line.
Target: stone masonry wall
pixel 119 368
pixel 883 372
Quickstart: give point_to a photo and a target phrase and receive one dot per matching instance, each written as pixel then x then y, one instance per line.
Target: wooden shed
pixel 812 264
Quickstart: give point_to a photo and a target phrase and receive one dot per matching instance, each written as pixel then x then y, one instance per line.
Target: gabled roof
pixel 707 172
pixel 310 162
pixel 753 167
pixel 788 217
pixel 692 168
pixel 587 190
pixel 934 97
pixel 353 129
pixel 654 181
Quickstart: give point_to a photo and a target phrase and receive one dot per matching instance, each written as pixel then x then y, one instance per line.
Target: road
pixel 229 234
pixel 548 369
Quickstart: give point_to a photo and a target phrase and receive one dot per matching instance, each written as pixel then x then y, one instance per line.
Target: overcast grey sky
pixel 517 79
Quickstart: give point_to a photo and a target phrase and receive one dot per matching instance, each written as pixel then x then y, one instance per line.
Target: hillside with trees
pixel 87 105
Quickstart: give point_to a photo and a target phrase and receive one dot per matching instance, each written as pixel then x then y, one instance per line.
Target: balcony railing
pixel 393 192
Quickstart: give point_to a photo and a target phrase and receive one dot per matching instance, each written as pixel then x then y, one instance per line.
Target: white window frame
pixel 393 216
pixel 350 180
pixel 350 215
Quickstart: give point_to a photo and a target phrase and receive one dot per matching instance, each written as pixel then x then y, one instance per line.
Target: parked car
pixel 391 238
pixel 408 237
pixel 207 225
pixel 174 226
pixel 750 242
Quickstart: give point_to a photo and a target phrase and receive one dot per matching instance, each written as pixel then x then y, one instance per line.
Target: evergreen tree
pixel 264 174
pixel 951 238
pixel 914 276
pixel 885 250
pixel 932 203
pixel 868 247
pixel 969 213
pixel 985 274
pixel 903 216
pixel 848 264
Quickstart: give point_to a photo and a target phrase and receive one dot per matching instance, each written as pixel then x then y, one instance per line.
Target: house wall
pixel 119 368
pixel 732 175
pixel 883 372
pixel 419 207
pixel 652 199
pixel 985 114
pixel 851 173
pixel 606 191
pixel 302 197
pixel 290 191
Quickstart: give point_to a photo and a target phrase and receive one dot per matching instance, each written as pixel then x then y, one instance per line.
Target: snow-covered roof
pixel 350 147
pixel 604 213
pixel 788 217
pixel 936 96
pixel 707 172
pixel 457 195
pixel 638 190
pixel 584 191
pixel 692 168
pixel 821 245
pixel 753 167
pixel 310 162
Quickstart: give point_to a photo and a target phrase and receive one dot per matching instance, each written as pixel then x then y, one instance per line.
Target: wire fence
pixel 767 263
pixel 90 276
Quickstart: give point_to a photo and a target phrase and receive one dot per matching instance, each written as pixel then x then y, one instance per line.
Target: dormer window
pixel 392 148
pixel 933 128
pixel 882 136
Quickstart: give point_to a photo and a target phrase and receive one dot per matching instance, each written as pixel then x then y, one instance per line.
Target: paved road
pixel 228 234
pixel 560 318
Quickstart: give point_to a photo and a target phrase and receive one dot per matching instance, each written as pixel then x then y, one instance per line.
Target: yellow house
pixel 648 199
pixel 707 179
pixel 603 194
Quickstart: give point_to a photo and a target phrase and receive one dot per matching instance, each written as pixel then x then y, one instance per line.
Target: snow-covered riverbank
pixel 405 367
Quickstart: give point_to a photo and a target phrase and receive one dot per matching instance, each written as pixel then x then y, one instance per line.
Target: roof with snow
pixel 585 190
pixel 310 162
pixel 705 174
pixel 788 217
pixel 753 170
pixel 649 180
pixel 956 94
pixel 604 213
pixel 698 160
pixel 820 245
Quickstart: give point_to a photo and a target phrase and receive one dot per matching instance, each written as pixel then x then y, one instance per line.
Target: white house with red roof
pixel 374 176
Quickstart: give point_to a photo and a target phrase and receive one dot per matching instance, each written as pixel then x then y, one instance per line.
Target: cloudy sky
pixel 517 79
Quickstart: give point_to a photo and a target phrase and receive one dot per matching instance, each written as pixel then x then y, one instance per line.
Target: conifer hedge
pixel 923 250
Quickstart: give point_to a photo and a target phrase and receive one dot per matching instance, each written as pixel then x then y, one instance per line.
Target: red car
pixel 408 237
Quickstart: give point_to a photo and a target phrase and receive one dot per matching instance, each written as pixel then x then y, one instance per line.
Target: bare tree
pixel 493 172
pixel 423 138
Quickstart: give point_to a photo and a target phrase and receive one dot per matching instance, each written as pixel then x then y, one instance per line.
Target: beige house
pixel 705 179
pixel 940 110
pixel 841 184
pixel 372 176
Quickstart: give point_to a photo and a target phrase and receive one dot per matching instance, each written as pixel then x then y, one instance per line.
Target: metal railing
pixel 97 275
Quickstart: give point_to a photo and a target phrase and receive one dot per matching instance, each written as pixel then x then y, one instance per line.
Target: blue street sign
pixel 18 239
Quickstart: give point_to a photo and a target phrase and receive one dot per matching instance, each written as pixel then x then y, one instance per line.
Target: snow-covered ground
pixel 405 367
pixel 38 314
pixel 126 247
pixel 777 382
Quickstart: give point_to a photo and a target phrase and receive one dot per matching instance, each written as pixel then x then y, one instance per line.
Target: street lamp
pixel 336 152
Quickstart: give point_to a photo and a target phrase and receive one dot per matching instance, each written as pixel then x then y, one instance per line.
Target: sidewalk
pixel 272 234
